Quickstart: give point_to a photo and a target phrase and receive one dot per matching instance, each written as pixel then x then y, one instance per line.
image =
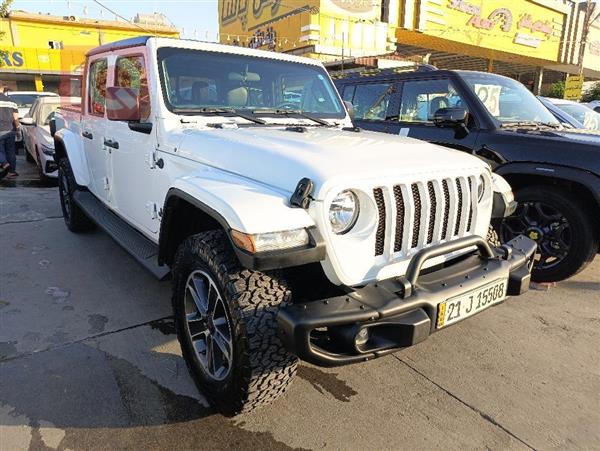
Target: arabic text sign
pixel 573 87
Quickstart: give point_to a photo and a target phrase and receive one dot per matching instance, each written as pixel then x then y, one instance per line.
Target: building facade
pixel 530 40
pixel 43 52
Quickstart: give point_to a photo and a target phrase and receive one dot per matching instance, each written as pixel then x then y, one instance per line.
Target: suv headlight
pixel 343 212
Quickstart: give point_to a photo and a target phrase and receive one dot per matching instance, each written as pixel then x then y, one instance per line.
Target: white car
pixel 594 105
pixel 24 101
pixel 289 232
pixel 38 142
pixel 583 113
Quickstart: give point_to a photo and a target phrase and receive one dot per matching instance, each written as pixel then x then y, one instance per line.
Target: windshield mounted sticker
pixel 490 96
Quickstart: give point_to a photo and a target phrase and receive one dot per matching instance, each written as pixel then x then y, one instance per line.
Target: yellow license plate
pixel 469 303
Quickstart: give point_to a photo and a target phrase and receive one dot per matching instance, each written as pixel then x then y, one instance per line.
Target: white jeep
pixel 288 232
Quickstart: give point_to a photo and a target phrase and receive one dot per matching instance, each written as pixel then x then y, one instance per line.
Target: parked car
pixel 594 105
pixel 288 233
pixel 24 101
pixel 554 171
pixel 39 144
pixel 581 112
pixel 565 119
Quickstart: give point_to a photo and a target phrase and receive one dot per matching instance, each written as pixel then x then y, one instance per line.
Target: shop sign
pixel 573 87
pixel 503 19
pixel 11 59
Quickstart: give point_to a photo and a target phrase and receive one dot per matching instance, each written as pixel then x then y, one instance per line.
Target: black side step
pixel 140 247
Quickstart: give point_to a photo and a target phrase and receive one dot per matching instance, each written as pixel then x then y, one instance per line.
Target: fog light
pixel 362 336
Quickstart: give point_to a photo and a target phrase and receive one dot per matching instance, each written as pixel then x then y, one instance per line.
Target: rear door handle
pixel 111 143
pixel 87 134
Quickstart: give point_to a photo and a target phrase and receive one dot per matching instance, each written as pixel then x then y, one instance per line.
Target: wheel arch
pixel 584 185
pixel 184 215
pixel 68 145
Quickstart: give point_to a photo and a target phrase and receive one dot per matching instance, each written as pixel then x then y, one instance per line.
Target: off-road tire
pixel 262 368
pixel 75 219
pixel 585 233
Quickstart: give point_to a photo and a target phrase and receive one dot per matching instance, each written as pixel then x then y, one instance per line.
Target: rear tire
pixel 560 224
pixel 246 303
pixel 75 219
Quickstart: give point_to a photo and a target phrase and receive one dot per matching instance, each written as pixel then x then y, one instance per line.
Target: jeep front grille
pixel 421 214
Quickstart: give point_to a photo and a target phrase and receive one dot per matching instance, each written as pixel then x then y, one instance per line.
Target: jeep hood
pixel 280 158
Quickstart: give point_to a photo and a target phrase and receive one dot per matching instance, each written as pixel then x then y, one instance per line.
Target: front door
pixel 133 169
pixel 374 104
pixel 419 101
pixel 93 126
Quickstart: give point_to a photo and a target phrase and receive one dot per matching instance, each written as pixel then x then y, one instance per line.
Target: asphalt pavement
pixel 89 360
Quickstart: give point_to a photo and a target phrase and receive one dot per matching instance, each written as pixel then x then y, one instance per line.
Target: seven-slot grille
pixel 421 214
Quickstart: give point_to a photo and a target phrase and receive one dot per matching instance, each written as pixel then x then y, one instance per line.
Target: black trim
pixel 400 311
pixel 141 127
pixel 554 172
pixel 260 261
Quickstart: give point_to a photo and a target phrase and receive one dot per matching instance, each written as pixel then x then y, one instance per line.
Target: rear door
pixel 93 125
pixel 375 104
pixel 419 100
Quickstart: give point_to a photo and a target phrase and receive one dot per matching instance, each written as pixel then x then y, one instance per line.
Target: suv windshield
pixel 508 100
pixel 24 100
pixel 588 117
pixel 196 80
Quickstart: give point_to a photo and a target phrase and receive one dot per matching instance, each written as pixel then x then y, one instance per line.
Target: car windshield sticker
pixel 404 131
pixel 490 96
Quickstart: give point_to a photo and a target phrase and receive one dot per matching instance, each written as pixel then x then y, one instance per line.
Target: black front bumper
pixel 400 312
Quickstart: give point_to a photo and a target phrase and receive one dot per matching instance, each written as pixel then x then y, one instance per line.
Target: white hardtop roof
pixel 232 49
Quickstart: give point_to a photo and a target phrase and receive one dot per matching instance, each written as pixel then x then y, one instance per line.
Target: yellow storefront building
pixel 43 52
pixel 524 39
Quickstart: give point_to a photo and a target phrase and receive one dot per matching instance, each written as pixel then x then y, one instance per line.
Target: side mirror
pixel 27 121
pixel 450 117
pixel 455 118
pixel 350 109
pixel 122 104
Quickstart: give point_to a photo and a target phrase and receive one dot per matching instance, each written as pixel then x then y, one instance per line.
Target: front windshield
pixel 588 117
pixel 508 100
pixel 24 100
pixel 193 80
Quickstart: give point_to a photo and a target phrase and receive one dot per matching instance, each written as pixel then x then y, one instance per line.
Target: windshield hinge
pixel 301 196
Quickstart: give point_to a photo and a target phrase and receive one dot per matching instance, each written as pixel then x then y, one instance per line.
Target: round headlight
pixel 343 212
pixel 480 188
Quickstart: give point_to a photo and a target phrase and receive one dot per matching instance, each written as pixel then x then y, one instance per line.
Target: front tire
pixel 225 318
pixel 75 219
pixel 563 228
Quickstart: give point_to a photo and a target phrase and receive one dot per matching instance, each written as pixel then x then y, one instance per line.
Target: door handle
pixel 111 143
pixel 87 134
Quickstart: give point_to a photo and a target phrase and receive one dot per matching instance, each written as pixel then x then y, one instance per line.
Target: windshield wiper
pixel 535 124
pixel 219 111
pixel 295 113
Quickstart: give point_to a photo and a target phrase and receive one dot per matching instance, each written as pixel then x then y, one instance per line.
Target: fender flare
pixel 68 145
pixel 587 179
pixel 261 261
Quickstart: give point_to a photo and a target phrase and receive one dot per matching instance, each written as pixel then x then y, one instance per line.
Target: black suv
pixel 554 172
